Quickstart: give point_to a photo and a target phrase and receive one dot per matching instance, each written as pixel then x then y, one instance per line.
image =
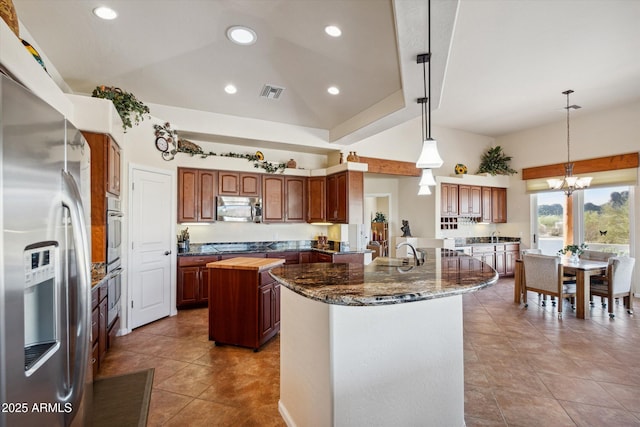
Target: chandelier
pixel 569 183
pixel 429 157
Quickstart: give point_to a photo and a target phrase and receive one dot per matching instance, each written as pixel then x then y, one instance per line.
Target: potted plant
pixel 495 162
pixel 127 105
pixel 575 250
pixel 380 217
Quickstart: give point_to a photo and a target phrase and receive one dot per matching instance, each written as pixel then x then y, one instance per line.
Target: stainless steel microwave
pixel 238 209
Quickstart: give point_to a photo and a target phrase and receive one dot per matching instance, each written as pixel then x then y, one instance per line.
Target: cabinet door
pixel 113 162
pixel 203 284
pixel 206 195
pixel 228 183
pixel 475 201
pixel 188 286
pixel 187 195
pixel 464 200
pixel 499 204
pixel 265 310
pixel 276 305
pixel 331 199
pixel 250 184
pixel 316 196
pixel 448 200
pixel 273 199
pixel 305 257
pixel 322 257
pixel 102 329
pixel 500 263
pixel 510 262
pixel 295 191
pixel 486 204
pixel 338 197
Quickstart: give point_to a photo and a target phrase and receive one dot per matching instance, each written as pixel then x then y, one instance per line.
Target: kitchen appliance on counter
pixel 44 264
pixel 238 209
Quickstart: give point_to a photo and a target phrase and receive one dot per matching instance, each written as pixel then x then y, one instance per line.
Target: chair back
pixel 596 255
pixel 543 272
pixel 620 270
pixel 530 251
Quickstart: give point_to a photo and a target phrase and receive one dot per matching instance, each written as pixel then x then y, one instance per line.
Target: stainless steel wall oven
pixel 114 262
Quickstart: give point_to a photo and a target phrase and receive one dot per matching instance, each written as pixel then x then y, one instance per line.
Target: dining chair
pixel 616 283
pixel 544 274
pixel 596 256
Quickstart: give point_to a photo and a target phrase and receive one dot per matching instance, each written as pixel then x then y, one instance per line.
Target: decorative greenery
pixel 380 217
pixel 495 162
pixel 127 105
pixel 574 249
pixel 183 146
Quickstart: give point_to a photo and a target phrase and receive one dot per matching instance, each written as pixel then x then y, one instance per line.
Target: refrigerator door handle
pixel 72 201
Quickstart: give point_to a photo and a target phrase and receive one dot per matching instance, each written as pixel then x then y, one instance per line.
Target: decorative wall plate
pixel 162 144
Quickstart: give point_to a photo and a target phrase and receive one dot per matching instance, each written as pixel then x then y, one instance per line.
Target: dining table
pixel 583 270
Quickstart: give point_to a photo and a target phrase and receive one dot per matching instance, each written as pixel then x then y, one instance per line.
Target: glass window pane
pixel 606 219
pixel 551 207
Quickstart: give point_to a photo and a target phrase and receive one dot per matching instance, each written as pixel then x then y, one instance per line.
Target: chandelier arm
pixel 429 52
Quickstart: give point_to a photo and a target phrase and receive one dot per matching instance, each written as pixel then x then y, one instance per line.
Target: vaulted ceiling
pixel 498 65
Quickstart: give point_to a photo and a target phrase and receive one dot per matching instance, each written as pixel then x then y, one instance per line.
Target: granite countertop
pixel 200 249
pixel 245 263
pixel 98 273
pixel 471 241
pixel 381 282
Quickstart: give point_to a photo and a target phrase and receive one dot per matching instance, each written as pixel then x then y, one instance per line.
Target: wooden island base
pixel 244 301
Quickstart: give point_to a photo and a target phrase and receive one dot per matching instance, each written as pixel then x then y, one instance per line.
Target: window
pixel 605 218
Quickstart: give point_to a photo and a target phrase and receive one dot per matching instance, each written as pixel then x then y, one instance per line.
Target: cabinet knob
pixel 167 252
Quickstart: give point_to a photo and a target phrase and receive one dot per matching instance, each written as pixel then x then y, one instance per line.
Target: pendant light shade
pixel 424 190
pixel 429 156
pixel 427 178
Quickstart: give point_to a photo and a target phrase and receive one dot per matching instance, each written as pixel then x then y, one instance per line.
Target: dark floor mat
pixel 122 400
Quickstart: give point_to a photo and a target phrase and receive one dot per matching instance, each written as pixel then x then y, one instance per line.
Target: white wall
pixel 593 134
pixel 139 148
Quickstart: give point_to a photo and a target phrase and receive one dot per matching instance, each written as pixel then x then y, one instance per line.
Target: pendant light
pixel 569 183
pixel 429 157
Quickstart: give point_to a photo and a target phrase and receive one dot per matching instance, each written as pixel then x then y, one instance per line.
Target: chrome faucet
pixel 493 237
pixel 415 254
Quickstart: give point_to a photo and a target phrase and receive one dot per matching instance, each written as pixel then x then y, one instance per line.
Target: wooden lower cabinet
pixel 305 257
pixel 289 257
pixel 193 281
pixel 102 337
pixel 502 257
pixel 355 258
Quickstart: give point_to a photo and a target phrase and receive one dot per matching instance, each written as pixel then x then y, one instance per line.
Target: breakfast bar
pixel 379 344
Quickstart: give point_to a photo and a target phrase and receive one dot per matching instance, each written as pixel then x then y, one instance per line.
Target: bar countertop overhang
pixel 387 280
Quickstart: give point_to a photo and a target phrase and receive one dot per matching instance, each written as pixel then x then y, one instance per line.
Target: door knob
pixel 167 252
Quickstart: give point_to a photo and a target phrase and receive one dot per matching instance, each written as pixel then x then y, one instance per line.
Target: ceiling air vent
pixel 271 92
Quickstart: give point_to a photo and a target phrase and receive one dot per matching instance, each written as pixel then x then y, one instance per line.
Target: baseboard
pixel 285 415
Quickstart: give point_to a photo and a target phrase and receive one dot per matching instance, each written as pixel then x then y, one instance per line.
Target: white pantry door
pixel 151 233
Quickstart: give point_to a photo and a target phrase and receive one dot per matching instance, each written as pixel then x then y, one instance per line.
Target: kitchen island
pixel 244 307
pixel 375 345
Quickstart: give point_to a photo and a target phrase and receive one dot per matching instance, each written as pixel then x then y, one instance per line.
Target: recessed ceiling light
pixel 333 31
pixel 230 89
pixel 333 90
pixel 104 12
pixel 241 35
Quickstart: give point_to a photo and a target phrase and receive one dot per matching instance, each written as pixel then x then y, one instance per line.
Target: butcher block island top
pixel 246 263
pixel 388 280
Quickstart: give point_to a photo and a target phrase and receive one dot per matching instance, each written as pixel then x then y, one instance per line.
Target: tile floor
pixel 523 367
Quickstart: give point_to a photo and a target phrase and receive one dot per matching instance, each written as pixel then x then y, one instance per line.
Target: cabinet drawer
pixel 481 249
pixel 95 298
pixel 265 278
pixel 512 247
pixel 196 261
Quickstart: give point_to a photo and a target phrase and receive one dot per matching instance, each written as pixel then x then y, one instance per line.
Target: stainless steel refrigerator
pixel 45 281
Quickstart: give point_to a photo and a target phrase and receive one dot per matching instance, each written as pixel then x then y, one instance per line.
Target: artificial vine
pixel 179 145
pixel 127 105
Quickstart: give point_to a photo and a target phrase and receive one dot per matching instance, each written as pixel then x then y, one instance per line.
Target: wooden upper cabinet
pixel 469 197
pixel 499 204
pixel 284 199
pixel 345 194
pixel 316 199
pixel 449 200
pixel 196 195
pixel 105 180
pixel 273 200
pixel 238 184
pixel 486 205
pixel 295 198
pixel 114 168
